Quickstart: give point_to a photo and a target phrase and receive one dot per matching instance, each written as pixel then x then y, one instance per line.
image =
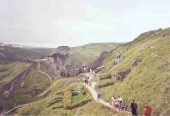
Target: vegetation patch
pixel 67 98
pixel 57 107
pixel 77 98
pixel 54 101
pixel 70 107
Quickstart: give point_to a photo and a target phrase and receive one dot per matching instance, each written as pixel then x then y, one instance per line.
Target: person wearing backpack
pixel 134 108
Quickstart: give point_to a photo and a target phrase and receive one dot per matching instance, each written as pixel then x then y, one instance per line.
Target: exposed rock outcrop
pixel 136 61
pixel 122 75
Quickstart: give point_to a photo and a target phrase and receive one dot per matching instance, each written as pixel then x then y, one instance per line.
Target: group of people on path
pixel 118 103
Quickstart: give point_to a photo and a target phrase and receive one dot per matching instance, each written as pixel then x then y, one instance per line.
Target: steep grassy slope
pixel 27 88
pixel 148 80
pixel 10 71
pixel 41 107
pixel 90 52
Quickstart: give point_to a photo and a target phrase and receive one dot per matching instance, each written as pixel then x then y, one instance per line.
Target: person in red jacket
pixel 147 110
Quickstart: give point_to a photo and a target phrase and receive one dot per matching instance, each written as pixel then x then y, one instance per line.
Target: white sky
pixel 51 23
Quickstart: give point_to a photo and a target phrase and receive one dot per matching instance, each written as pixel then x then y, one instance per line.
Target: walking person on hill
pixel 83 80
pixel 113 101
pixel 120 99
pixel 120 102
pixel 116 104
pixel 147 110
pixel 134 108
pixel 98 96
pixel 123 106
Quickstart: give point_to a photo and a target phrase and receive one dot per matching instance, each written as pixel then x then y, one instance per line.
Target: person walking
pixel 120 99
pixel 134 108
pixel 123 106
pixel 147 110
pixel 98 96
pixel 113 101
pixel 83 80
pixel 120 102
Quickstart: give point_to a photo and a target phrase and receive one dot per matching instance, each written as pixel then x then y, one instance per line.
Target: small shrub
pixel 54 102
pixel 70 107
pixel 74 93
pixel 60 106
pixel 57 98
pixel 58 93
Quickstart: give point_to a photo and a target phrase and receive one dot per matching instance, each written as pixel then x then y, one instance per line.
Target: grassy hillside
pixel 10 71
pixel 62 88
pixel 42 107
pixel 149 80
pixel 27 88
pixel 11 54
pixel 90 52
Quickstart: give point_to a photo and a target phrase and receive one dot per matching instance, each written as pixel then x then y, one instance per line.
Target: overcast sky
pixel 51 23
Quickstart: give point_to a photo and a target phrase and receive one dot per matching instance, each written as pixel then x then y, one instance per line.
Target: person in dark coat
pixel 134 108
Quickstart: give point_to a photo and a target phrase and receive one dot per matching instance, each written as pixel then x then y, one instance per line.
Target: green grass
pixel 12 70
pixel 89 52
pixel 77 98
pixel 32 83
pixel 105 81
pixel 56 87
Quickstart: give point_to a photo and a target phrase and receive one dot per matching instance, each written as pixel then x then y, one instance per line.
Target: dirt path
pixel 94 94
pixel 44 73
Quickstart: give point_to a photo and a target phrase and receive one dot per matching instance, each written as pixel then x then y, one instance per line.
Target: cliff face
pixel 62 56
pixel 60 63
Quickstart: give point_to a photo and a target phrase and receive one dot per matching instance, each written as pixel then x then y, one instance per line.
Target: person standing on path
pixel 113 101
pixel 123 106
pixel 120 102
pixel 120 99
pixel 147 110
pixel 98 96
pixel 134 108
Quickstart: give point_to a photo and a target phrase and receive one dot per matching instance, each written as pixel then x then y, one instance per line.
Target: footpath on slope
pixel 44 73
pixel 94 94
